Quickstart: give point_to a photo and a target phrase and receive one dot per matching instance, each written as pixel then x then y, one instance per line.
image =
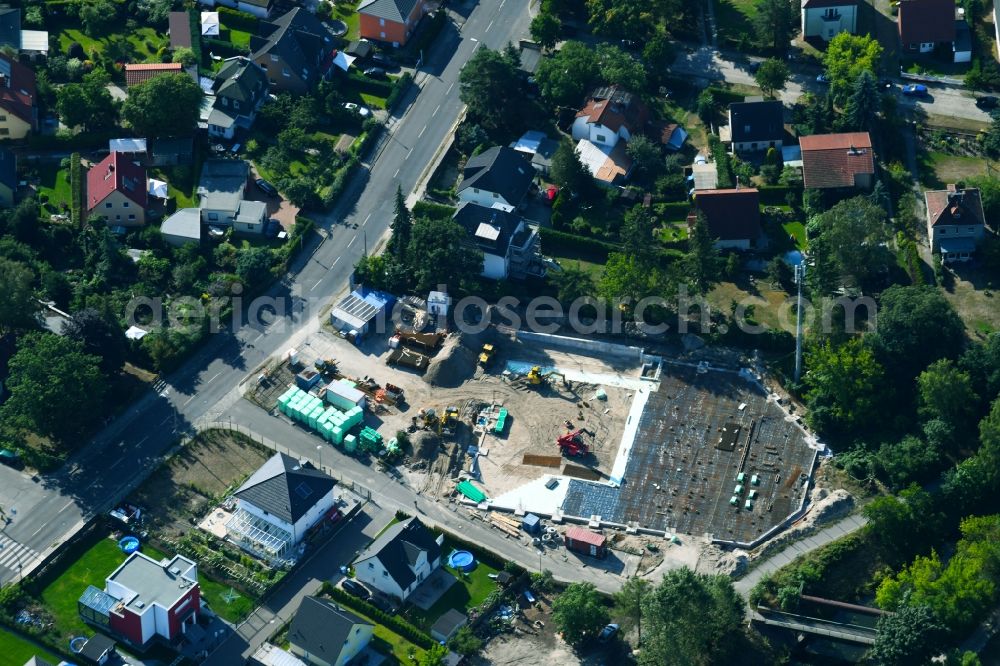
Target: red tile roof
pixel 137 73
pixel 613 108
pixel 586 536
pixel 834 160
pixel 732 214
pixel 953 206
pixel 926 21
pixel 17 96
pixel 116 172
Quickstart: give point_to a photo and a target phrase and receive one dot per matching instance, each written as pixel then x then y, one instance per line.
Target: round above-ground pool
pixel 129 545
pixel 338 28
pixel 76 644
pixel 462 560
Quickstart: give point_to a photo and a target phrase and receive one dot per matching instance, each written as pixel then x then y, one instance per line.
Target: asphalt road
pixel 45 511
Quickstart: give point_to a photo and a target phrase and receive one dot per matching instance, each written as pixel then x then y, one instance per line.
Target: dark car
pixel 271 228
pixel 10 458
pixel 357 589
pixel 384 60
pixel 988 102
pixel 607 633
pixel 375 72
pixel 753 67
pixel 267 188
pixel 915 89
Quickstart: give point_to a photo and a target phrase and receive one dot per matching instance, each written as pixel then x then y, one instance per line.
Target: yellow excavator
pixel 486 355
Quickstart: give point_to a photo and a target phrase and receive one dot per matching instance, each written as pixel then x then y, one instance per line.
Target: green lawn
pixel 346 12
pixel 939 169
pixel 674 231
pixel 54 184
pixel 470 591
pixel 143 43
pixel 237 38
pixel 798 230
pixel 390 643
pixel 19 650
pixel 733 19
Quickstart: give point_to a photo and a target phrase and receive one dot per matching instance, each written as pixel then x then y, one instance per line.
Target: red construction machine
pixel 571 444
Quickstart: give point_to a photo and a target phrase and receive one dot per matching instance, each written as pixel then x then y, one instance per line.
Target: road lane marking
pixel 352 241
pixel 449 88
pixel 489 26
pixel 213 378
pixel 501 5
pixel 255 340
pixel 437 109
pixel 364 223
pixel 192 397
pixel 422 131
pixel 334 263
pixel 317 284
pixel 396 174
pixel 408 153
pixel 473 39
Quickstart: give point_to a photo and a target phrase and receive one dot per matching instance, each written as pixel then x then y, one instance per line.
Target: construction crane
pixel 571 444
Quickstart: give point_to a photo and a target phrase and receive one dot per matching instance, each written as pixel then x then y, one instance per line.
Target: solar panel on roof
pixel 487 231
pixel 303 490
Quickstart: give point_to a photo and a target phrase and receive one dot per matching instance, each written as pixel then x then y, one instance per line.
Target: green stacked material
pixel 326 430
pixel 329 422
pixel 501 422
pixel 285 398
pixel 470 491
pixel 314 416
pixel 370 440
pixel 350 443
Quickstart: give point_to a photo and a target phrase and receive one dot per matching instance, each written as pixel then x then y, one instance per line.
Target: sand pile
pixel 454 364
pixel 425 444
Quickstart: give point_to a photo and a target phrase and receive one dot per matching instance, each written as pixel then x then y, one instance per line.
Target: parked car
pixel 753 67
pixel 10 458
pixel 362 111
pixel 384 60
pixel 266 187
pixel 357 589
pixel 607 633
pixel 886 83
pixel 271 228
pixel 915 89
pixel 822 78
pixel 629 44
pixel 987 102
pixel 375 72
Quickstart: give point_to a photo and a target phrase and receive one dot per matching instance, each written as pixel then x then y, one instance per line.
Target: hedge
pixel 76 190
pixel 237 20
pixel 224 49
pixel 397 624
pixel 776 195
pixel 369 85
pixel 553 242
pixel 673 211
pixel 433 211
pixel 399 86
pixel 340 181
pixel 194 19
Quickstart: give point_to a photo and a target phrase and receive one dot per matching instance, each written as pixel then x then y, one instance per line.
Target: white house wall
pixel 494 267
pixel 813 24
pixel 264 515
pixel 376 576
pixel 309 519
pixel 360 636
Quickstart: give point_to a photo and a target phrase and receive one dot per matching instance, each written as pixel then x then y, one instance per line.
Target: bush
pixel 432 211
pixel 224 49
pixel 554 242
pixel 399 87
pixel 76 189
pixel 393 622
pixel 237 20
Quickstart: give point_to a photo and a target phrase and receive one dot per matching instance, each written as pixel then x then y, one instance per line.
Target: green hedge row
pixel 76 190
pixel 397 624
pixel 369 85
pixel 194 20
pixel 340 182
pixel 432 210
pixel 775 195
pixel 677 210
pixel 237 20
pixel 224 49
pixel 399 87
pixel 554 242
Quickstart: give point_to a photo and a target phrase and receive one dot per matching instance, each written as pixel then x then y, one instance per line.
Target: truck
pixel 408 358
pixel 426 342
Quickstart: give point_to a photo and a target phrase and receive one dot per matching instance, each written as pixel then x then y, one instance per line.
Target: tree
pixel 87 104
pixel 910 636
pixel 844 386
pixel 619 67
pixel 856 232
pixel 565 77
pixel 17 299
pixel 579 611
pixel 771 76
pixel 774 23
pixel 545 29
pixel 645 154
pixel 991 138
pixel 658 54
pixel 465 642
pixel 911 459
pixel 703 262
pixel 156 11
pixel 901 526
pixel 50 371
pixel 100 336
pixel 185 56
pixel 434 656
pixel 572 283
pixel 438 254
pixel 946 393
pixel 628 602
pixel 691 620
pixel 862 104
pixel 144 109
pixel 487 83
pixel 916 326
pixel 568 171
pixel 402 228
pixel 846 57
pixel 97 16
pixel 253 266
pixel 622 18
pixel 982 362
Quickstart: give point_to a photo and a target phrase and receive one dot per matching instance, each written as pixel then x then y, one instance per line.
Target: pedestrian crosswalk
pixel 14 557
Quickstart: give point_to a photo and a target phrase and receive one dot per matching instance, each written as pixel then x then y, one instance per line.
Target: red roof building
pixel 116 191
pixel 838 160
pixel 586 542
pixel 923 24
pixel 17 99
pixel 136 73
pixel 733 216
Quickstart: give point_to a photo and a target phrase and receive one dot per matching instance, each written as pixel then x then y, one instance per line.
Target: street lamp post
pixel 540 561
pixel 320 449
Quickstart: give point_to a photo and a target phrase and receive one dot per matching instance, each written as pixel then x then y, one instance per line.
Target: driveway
pixel 279 208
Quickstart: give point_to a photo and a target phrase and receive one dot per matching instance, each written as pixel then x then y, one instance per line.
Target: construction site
pixel 562 428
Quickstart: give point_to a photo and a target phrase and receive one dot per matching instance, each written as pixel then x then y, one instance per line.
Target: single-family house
pixel 324 634
pixel 610 114
pixel 609 165
pixel 391 21
pixel 400 559
pixel 182 227
pixel 18 109
pixel 838 161
pixel 509 245
pixel 926 24
pixel 136 73
pixel 117 191
pixel 220 195
pixel 8 178
pixel 240 87
pixel 292 49
pixel 145 599
pixel 538 148
pixel 755 126
pixel 828 18
pixel 38 661
pixel 955 222
pixel 733 216
pixel 259 8
pixel 179 28
pixel 496 175
pixel 278 505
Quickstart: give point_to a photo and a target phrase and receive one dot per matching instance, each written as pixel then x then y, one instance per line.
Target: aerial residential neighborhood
pixel 499 332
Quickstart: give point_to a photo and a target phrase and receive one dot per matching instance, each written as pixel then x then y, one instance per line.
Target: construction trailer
pixel 343 395
pixel 585 542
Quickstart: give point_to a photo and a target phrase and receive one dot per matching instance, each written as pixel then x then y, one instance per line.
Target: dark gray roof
pixel 359 48
pixel 8 168
pixel 37 661
pixel 399 547
pixel 240 79
pixel 320 628
pixel 470 216
pixel 10 27
pixel 96 647
pixel 390 10
pixel 285 488
pixel 756 121
pixel 297 37
pixel 449 623
pixel 499 169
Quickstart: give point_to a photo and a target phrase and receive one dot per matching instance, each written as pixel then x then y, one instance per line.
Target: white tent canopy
pixel 158 189
pixel 343 61
pixel 210 24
